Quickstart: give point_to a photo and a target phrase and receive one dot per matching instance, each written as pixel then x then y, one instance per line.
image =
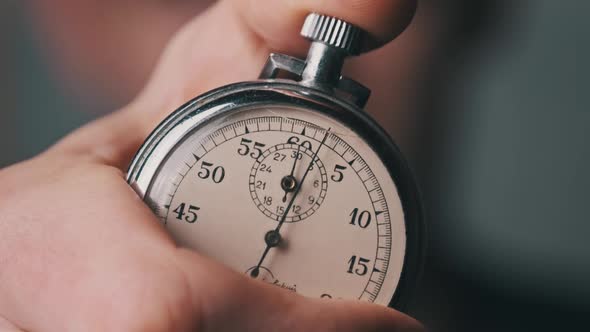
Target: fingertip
pixel 278 22
pixel 387 319
pixel 383 20
pixel 355 316
pixel 6 326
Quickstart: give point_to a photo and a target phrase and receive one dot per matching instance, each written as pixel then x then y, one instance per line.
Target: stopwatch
pixel 286 180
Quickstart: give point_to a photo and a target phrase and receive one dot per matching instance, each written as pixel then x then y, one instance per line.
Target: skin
pixel 81 252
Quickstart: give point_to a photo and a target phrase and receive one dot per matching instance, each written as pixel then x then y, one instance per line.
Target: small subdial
pixel 276 175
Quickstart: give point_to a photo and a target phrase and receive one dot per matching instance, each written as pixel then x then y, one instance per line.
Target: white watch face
pixel 225 188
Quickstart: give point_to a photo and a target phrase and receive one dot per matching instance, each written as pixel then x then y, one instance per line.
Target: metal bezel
pixel 217 102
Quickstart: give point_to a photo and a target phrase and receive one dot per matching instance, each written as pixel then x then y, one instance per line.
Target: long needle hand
pixel 273 237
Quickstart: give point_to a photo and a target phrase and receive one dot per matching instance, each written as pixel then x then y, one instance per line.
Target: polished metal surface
pixel 277 62
pixel 314 84
pixel 332 41
pixel 323 66
pixel 216 103
pixel 333 32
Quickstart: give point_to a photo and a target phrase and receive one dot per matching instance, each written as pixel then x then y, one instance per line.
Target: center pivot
pixel 288 183
pixel 272 238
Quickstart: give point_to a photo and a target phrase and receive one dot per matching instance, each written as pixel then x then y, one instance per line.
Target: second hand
pixel 273 237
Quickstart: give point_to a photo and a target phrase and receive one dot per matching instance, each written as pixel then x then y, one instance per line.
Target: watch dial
pixel 228 184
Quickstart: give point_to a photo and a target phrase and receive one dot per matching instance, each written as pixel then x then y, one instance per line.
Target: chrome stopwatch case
pixel 288 181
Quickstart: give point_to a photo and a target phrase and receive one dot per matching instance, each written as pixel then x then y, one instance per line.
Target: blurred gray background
pixel 501 151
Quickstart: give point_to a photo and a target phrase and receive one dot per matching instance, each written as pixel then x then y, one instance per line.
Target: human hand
pixel 81 252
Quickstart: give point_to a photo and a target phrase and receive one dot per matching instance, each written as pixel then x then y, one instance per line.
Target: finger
pixel 231 41
pixel 111 141
pixel 229 301
pixel 350 316
pixel 278 22
pixel 6 326
pixel 227 43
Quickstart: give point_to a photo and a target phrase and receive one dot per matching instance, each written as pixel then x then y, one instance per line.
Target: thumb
pixel 6 326
pixel 231 41
pixel 349 316
pixel 228 301
pixel 227 43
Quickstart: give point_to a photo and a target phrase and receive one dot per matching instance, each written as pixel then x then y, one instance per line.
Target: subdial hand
pixel 273 238
pixel 288 183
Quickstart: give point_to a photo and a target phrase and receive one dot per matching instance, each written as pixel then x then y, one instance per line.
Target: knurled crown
pixel 334 32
